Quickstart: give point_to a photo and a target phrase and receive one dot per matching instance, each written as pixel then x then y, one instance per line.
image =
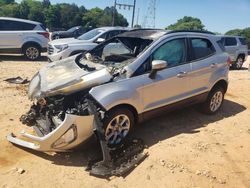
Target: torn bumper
pixel 70 133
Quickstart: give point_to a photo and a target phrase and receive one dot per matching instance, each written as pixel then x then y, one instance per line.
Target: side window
pixel 112 34
pixel 243 41
pixel 201 48
pixel 230 41
pixel 173 52
pixel 17 26
pixel 144 68
pixel 220 44
pixel 103 36
pixel 1 25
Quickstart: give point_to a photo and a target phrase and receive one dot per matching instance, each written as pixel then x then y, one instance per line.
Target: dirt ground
pixel 186 148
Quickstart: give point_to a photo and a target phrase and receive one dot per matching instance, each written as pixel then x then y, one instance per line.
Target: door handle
pixel 213 65
pixel 181 74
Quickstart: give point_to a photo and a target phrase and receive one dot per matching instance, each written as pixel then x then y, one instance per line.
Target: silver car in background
pixel 237 49
pixel 19 36
pixel 62 48
pixel 123 81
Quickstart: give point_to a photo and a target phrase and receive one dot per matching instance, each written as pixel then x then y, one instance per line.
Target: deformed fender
pixel 109 96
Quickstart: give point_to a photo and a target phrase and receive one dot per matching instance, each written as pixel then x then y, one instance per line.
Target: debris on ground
pixel 162 162
pixel 123 160
pixel 17 80
pixel 20 171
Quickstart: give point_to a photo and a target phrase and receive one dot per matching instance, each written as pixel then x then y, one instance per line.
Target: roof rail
pixel 195 31
pixel 141 29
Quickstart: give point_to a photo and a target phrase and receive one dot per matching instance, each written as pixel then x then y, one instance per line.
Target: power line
pixel 124 5
pixel 149 19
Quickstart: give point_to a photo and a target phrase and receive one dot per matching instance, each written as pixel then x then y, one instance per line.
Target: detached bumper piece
pixel 121 161
pixel 68 134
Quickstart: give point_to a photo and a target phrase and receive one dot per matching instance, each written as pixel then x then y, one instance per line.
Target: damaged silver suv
pixel 121 82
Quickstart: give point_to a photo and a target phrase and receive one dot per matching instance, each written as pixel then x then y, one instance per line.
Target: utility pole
pixel 138 13
pixel 133 16
pixel 113 15
pixel 149 19
pixel 124 6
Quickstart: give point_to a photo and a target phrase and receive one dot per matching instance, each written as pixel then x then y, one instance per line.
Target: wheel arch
pixel 128 106
pixel 31 43
pixel 221 83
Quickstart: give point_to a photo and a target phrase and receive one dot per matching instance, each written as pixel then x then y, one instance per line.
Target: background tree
pixel 187 23
pixel 137 26
pixel 237 32
pixel 97 17
pixel 52 17
pixel 6 2
pixel 62 15
pixel 46 3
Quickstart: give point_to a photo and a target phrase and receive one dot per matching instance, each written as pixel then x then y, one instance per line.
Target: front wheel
pixel 214 101
pixel 117 125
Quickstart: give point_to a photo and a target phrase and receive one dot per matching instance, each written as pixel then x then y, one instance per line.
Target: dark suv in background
pixel 72 32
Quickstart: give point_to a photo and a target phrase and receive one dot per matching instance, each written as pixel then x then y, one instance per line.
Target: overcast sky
pixel 216 15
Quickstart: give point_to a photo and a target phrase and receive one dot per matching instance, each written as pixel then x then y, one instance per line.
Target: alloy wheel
pixel 216 101
pixel 117 129
pixel 32 53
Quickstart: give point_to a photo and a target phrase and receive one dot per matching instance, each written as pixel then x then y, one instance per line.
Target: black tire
pixel 238 63
pixel 32 52
pixel 216 97
pixel 122 131
pixel 56 37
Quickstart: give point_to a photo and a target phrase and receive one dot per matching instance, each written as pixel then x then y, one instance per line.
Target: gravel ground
pixel 186 148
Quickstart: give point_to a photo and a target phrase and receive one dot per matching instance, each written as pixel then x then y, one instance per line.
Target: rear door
pixel 204 63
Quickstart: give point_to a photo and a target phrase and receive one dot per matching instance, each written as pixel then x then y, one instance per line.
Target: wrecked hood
pixel 66 77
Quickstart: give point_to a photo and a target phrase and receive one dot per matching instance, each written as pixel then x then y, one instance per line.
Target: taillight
pixel 45 34
pixel 229 62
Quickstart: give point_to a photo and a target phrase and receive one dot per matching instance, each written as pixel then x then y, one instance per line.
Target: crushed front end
pixel 59 126
pixel 60 114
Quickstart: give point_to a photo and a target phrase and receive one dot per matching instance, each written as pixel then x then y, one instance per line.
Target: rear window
pixel 243 41
pixel 201 48
pixel 43 27
pixel 230 41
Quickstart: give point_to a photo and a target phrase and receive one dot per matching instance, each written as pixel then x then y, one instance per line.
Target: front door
pixel 171 84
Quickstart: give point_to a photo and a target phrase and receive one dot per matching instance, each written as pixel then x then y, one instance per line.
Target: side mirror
pixel 99 40
pixel 157 65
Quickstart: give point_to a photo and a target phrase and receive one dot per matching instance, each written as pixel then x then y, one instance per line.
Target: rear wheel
pixel 118 125
pixel 239 62
pixel 214 101
pixel 32 52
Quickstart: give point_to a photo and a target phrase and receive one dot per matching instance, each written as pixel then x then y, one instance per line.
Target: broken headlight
pixel 68 137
